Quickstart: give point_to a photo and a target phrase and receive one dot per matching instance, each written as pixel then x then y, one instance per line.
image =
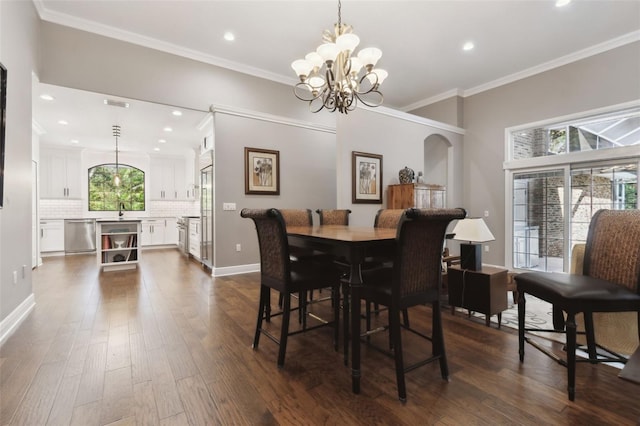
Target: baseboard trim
pixel 235 270
pixel 15 318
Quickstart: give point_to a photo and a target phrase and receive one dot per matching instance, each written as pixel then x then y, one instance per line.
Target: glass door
pixel 207 209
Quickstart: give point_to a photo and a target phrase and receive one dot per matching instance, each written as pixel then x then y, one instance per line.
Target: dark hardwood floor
pixel 169 345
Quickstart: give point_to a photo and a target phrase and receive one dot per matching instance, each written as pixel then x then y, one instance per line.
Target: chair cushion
pixel 578 293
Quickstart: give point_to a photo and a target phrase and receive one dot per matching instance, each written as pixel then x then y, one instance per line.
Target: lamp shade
pixel 472 230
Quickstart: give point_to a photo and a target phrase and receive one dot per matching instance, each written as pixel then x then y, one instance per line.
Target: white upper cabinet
pixel 168 179
pixel 60 174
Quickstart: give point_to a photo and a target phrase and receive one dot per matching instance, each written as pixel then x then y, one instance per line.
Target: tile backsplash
pixel 74 209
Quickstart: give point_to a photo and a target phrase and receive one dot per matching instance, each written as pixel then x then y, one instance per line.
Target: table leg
pixel 345 320
pixel 355 283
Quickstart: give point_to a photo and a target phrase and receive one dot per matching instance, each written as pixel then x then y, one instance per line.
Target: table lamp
pixel 475 231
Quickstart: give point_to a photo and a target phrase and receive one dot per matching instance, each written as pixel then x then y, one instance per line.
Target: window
pixel 105 196
pixel 559 175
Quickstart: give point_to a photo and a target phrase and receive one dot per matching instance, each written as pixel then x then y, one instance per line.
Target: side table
pixel 482 291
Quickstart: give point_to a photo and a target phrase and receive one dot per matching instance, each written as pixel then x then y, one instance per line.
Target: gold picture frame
pixel 261 171
pixel 366 178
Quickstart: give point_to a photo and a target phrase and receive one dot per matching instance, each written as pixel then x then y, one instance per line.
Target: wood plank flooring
pixel 169 345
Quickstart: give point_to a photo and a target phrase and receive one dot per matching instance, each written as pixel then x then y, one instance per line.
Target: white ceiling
pixel 421 40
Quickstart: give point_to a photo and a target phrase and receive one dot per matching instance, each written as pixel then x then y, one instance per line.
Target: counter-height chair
pixel 334 216
pixel 609 283
pixel 414 278
pixel 279 272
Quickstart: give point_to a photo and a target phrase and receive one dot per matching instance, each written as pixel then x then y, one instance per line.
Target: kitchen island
pixel 118 244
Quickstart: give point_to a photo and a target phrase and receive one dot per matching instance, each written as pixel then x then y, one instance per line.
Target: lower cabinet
pixel 51 235
pixel 194 237
pixel 161 231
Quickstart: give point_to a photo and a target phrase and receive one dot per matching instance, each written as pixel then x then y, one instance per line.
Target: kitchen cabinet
pixel 171 231
pixel 194 237
pixel 60 174
pixel 159 231
pixel 419 195
pixel 168 180
pixel 51 235
pixel 152 232
pixel 117 244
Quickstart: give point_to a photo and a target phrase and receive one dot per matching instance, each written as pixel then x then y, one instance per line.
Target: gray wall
pixel 18 53
pixel 609 78
pixel 401 142
pixel 448 111
pixel 307 178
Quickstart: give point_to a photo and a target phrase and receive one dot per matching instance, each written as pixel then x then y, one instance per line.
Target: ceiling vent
pixel 119 104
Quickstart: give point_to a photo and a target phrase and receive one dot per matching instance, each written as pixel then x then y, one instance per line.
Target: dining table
pixel 352 245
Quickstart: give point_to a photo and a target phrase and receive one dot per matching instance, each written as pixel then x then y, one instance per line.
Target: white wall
pixel 18 53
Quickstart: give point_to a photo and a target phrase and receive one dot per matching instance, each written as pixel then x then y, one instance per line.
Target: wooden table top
pixel 343 233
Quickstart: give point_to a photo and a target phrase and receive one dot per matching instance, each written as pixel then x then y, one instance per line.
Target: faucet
pixel 120 208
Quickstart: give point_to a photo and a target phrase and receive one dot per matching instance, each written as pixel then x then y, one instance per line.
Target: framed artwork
pixel 3 122
pixel 261 171
pixel 366 178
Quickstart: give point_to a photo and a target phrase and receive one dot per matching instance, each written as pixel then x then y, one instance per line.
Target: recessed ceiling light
pixel 177 113
pixel 229 36
pixel 156 149
pixel 468 46
pixel 46 97
pixel 74 141
pixel 168 129
pixel 63 122
pixel 560 3
pixel 162 141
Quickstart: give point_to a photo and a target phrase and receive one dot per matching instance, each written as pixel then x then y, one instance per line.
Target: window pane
pixel 105 196
pixel 621 128
pixel 538 232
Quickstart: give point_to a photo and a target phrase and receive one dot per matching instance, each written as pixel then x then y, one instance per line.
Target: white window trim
pixel 555 162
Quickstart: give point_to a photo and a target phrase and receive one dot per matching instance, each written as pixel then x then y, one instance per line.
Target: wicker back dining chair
pixel 278 272
pixel 334 216
pixel 610 283
pixel 387 218
pixel 414 279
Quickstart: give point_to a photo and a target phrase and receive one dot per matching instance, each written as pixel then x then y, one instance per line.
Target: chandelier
pixel 332 78
pixel 116 178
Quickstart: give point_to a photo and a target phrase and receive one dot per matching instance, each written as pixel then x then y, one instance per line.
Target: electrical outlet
pixel 486 213
pixel 238 247
pixel 15 277
pixel 486 249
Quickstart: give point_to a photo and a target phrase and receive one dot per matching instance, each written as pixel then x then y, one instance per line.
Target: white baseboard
pixel 15 318
pixel 235 270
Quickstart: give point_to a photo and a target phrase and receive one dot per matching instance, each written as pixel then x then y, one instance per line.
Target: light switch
pixel 228 206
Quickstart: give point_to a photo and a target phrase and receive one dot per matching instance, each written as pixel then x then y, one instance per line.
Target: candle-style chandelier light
pixel 117 179
pixel 332 78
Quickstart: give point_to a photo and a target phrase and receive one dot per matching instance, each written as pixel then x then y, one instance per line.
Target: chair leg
pixel 284 333
pixel 437 338
pixel 302 309
pixel 335 301
pixel 591 337
pixel 262 312
pixel 571 355
pixel 405 317
pixel 558 319
pixel 367 316
pixel 521 313
pixel 394 328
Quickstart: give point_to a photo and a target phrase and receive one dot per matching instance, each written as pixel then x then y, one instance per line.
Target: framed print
pixel 261 171
pixel 3 122
pixel 366 178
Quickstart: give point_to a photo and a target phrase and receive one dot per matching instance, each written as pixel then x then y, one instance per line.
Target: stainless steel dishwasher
pixel 79 235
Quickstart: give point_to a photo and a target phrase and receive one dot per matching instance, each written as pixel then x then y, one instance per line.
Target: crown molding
pixel 152 43
pixel 254 115
pixel 432 100
pixel 556 63
pixel 625 39
pixel 413 118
